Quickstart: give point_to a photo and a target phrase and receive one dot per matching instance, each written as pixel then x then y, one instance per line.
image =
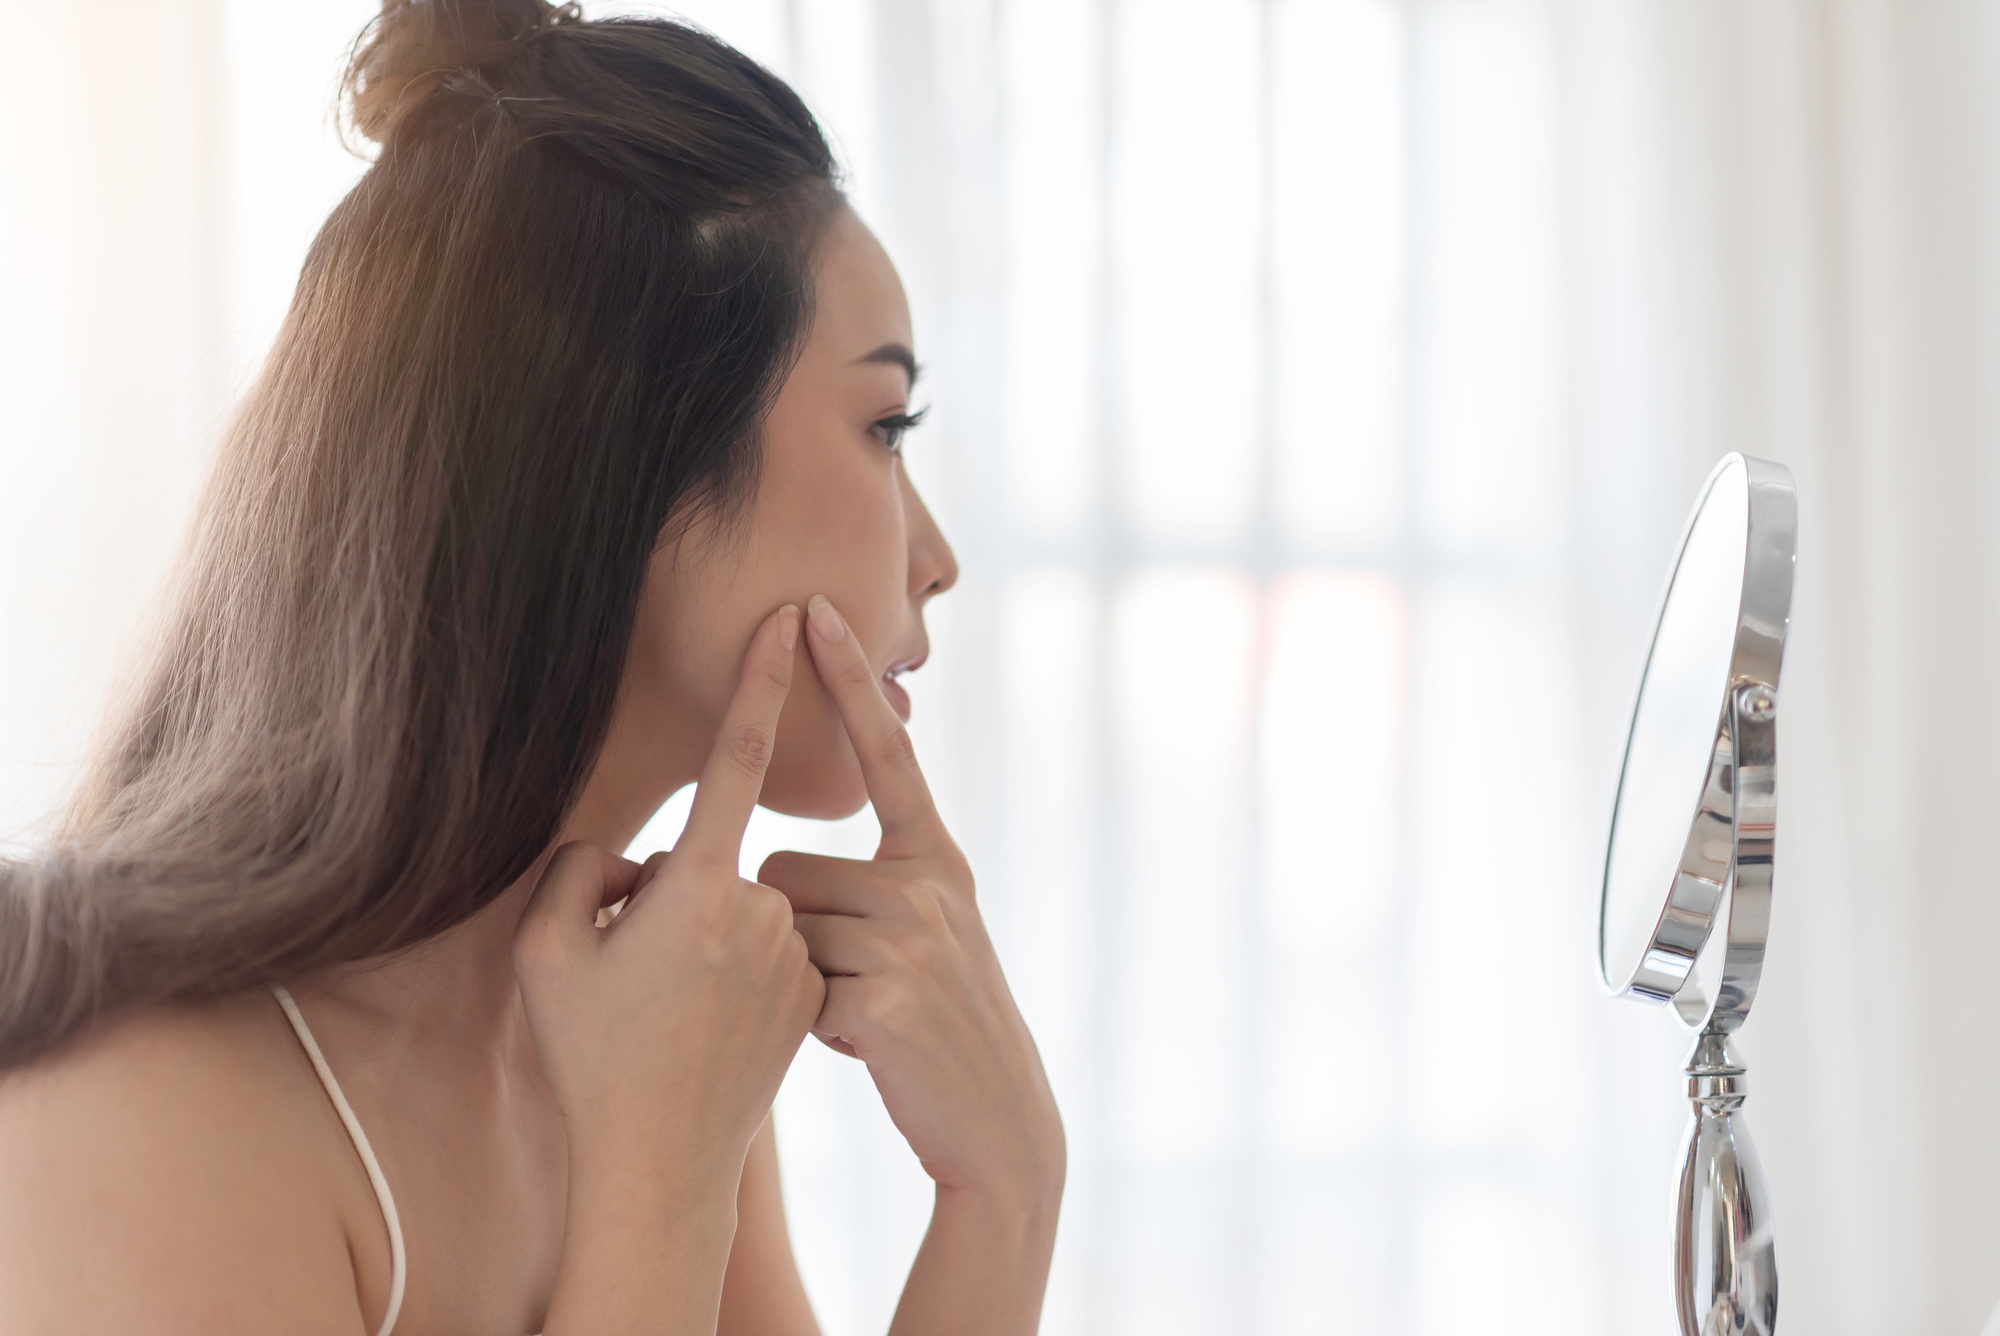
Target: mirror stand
pixel 1725 1254
pixel 1725 1257
pixel 1686 904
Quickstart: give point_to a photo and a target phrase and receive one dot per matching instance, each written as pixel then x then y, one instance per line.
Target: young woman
pixel 573 478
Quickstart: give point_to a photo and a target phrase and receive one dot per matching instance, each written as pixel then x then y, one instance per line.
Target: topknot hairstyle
pixel 417 47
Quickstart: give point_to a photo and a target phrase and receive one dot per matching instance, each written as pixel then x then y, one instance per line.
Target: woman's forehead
pixel 861 304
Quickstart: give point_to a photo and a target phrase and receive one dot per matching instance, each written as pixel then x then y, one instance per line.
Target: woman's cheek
pixel 866 573
pixel 813 770
pixel 860 562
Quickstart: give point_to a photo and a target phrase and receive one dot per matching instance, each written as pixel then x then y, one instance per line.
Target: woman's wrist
pixel 1024 1211
pixel 645 1243
pixel 1020 1205
pixel 652 1173
pixel 1029 1177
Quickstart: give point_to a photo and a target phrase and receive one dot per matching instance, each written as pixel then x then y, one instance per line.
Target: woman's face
pixel 835 514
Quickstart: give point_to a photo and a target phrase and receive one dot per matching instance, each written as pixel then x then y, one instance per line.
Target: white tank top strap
pixel 367 1152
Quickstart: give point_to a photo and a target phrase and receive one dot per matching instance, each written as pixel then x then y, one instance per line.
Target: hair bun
pixel 414 46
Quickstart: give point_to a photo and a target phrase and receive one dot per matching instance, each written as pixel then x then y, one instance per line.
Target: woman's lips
pixel 899 699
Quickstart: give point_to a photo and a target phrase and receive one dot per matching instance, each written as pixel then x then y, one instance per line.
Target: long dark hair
pixel 539 335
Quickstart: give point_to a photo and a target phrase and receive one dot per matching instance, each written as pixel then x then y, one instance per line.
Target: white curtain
pixel 1319 387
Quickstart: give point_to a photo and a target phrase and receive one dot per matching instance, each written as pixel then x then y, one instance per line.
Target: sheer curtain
pixel 1319 386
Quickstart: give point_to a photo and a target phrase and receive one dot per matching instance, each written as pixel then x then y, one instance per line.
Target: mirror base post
pixel 1725 1261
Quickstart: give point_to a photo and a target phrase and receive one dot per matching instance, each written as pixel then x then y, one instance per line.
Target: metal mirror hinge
pixel 1725 1261
pixel 1751 716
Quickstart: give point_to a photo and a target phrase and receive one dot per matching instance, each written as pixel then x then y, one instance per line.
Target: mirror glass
pixel 1674 724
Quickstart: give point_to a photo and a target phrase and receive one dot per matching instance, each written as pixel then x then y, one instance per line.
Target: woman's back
pixel 180 1169
pixel 184 1169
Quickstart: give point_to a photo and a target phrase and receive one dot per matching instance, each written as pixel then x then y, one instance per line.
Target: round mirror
pixel 1712 672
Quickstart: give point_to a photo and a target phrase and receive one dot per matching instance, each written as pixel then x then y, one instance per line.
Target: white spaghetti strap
pixel 368 1160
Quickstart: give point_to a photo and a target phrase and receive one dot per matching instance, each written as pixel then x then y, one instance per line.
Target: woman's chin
pixel 815 806
pixel 828 790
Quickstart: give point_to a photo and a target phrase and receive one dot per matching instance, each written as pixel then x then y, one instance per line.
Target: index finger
pixel 910 824
pixel 733 777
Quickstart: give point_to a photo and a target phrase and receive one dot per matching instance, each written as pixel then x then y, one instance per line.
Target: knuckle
pixel 776 672
pixel 957 867
pixel 926 900
pixel 705 882
pixel 708 898
pixel 920 951
pixel 698 872
pixel 769 911
pixel 748 747
pixel 884 1007
pixel 812 988
pixel 898 749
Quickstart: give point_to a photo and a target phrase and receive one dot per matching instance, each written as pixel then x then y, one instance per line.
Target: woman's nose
pixel 933 565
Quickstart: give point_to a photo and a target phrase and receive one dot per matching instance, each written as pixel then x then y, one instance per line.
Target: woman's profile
pixel 331 1006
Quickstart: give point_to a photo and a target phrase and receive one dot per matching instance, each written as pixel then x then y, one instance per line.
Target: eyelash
pixel 890 429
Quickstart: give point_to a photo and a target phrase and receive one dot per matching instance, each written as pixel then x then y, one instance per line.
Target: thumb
pixel 579 879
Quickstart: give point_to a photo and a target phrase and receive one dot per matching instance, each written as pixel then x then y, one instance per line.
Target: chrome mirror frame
pixel 1725 1264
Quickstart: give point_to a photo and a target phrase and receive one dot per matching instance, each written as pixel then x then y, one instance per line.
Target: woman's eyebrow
pixel 894 354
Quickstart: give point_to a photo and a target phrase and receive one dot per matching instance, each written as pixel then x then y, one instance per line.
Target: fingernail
pixel 825 620
pixel 788 625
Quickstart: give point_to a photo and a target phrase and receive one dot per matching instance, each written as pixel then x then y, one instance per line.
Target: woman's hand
pixel 913 987
pixel 665 1035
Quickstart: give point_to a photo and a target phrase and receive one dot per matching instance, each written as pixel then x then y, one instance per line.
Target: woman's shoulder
pixel 184 1074
pixel 219 1036
pixel 168 1169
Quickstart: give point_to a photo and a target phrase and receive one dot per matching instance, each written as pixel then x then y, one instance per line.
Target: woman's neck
pixel 459 986
pixel 456 988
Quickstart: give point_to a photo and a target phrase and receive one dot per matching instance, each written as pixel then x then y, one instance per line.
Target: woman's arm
pixel 985 1254
pixel 983 1266
pixel 665 1035
pixel 914 989
pixel 761 1292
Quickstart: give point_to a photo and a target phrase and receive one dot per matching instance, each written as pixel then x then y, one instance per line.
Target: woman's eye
pixel 889 430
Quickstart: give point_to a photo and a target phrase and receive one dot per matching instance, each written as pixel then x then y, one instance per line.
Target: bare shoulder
pixel 170 1172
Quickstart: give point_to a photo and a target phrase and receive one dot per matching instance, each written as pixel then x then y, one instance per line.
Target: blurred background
pixel 1319 388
